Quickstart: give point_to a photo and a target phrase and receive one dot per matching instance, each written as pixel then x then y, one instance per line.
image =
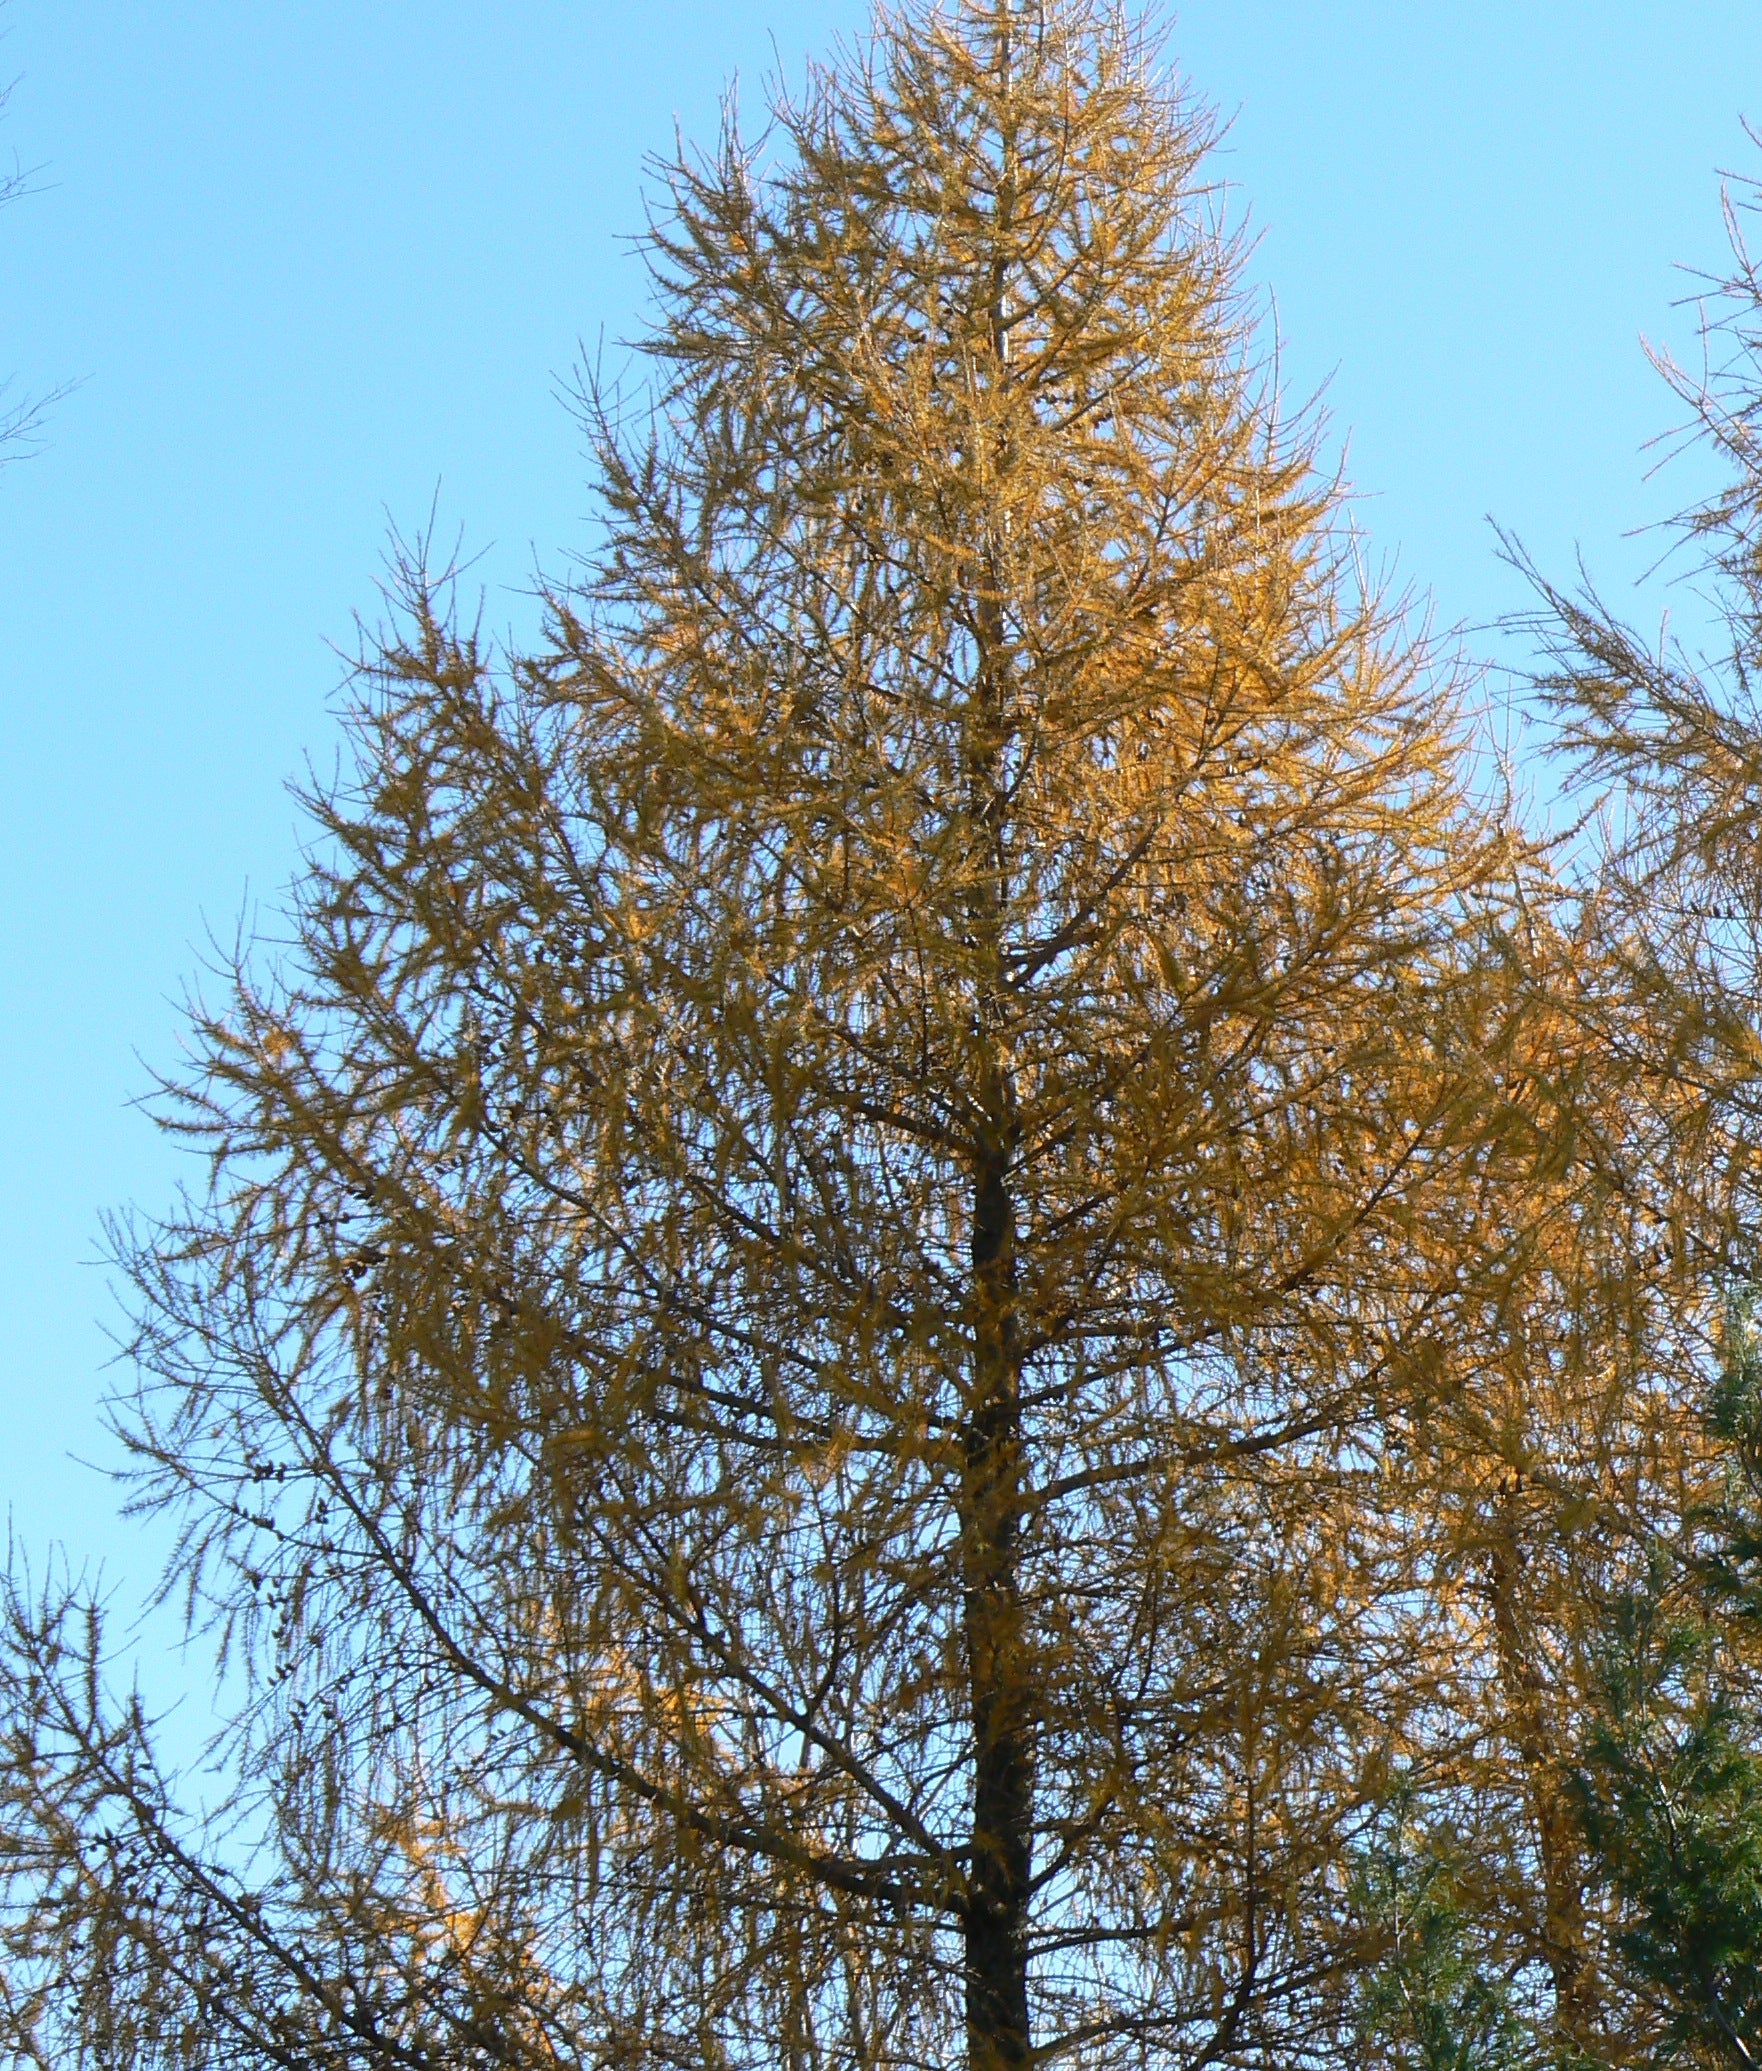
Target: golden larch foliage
pixel 887 1269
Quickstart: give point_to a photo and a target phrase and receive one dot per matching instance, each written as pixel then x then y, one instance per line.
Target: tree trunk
pixel 998 2036
pixel 998 2030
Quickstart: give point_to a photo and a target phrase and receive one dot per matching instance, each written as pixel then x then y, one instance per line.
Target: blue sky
pixel 314 262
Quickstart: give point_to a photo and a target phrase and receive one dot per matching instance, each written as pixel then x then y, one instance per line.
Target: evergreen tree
pixel 1670 1794
pixel 1438 1994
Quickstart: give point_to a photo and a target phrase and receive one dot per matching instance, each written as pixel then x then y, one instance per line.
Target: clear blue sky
pixel 309 259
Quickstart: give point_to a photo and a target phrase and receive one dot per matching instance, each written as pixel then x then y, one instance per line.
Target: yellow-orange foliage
pixel 919 1251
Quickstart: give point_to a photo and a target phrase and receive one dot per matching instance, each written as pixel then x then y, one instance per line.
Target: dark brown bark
pixel 998 2034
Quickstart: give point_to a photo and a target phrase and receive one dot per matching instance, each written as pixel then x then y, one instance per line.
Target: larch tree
pixel 1557 1438
pixel 1666 739
pixel 829 1245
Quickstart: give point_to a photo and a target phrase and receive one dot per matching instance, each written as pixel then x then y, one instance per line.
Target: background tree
pixel 1558 1438
pixel 818 1389
pixel 1670 1797
pixel 1441 1995
pixel 1666 743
